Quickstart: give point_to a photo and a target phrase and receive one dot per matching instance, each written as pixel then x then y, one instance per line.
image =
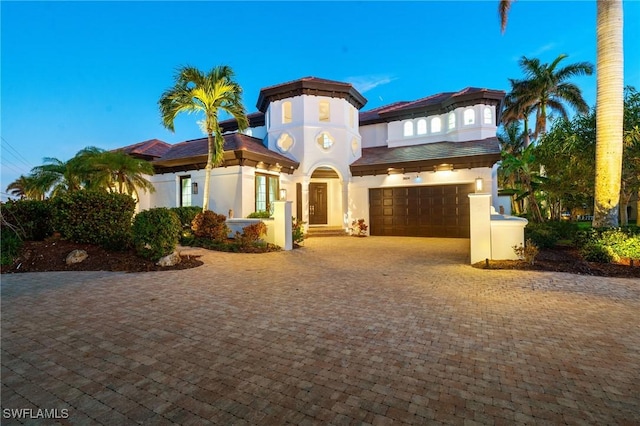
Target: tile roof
pixel 152 148
pixel 232 142
pixel 484 152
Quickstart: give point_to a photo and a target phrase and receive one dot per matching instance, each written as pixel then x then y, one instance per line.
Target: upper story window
pixel 469 116
pixel 325 140
pixel 452 120
pixel 286 112
pixel 487 115
pixel 352 118
pixel 436 125
pixel 422 126
pixel 324 111
pixel 408 128
pixel 285 142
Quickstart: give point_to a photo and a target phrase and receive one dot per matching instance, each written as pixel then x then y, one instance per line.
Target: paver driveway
pixel 345 330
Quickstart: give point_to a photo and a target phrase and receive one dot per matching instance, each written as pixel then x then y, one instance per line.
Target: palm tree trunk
pixel 609 113
pixel 207 176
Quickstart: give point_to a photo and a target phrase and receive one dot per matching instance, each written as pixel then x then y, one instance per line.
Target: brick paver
pixel 344 330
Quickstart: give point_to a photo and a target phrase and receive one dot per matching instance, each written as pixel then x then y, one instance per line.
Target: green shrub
pixel 93 217
pixel 260 214
pixel 186 214
pixel 541 234
pixel 584 237
pixel 297 230
pixel 10 244
pixel 597 252
pixel 156 233
pixel 251 234
pixel 563 229
pixel 31 218
pixel 210 225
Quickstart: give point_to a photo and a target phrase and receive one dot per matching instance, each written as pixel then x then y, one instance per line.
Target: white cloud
pixel 364 83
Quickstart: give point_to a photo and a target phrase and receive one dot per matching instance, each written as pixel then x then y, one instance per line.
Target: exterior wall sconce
pixel 479 185
pixel 194 188
pixel 283 195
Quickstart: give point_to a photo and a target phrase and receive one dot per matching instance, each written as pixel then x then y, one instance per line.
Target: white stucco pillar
pixel 480 226
pixel 305 203
pixel 345 204
pixel 282 215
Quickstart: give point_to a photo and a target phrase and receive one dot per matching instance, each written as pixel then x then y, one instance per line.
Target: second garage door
pixel 424 211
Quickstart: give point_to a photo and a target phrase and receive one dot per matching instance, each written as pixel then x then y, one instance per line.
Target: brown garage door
pixel 424 211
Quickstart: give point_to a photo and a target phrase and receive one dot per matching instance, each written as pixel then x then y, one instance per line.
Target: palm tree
pixel 25 187
pixel 609 108
pixel 208 94
pixel 545 89
pixel 122 173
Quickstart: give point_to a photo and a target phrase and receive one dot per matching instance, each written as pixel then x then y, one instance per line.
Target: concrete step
pixel 326 231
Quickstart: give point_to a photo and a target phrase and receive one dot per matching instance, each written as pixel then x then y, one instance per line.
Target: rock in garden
pixel 76 256
pixel 169 260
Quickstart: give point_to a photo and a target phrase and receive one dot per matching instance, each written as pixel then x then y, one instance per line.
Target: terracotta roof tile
pixel 151 148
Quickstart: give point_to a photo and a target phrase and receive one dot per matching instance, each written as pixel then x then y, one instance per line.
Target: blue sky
pixel 77 74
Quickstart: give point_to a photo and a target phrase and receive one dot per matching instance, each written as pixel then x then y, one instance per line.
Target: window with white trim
pixel 185 191
pixel 267 187
pixel 436 125
pixel 488 119
pixel 408 128
pixel 324 111
pixel 452 120
pixel 325 140
pixel 469 116
pixel 286 112
pixel 421 126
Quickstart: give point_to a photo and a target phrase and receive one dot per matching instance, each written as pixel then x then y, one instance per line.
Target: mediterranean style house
pixel 406 168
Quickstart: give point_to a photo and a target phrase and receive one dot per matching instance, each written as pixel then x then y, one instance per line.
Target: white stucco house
pixel 406 168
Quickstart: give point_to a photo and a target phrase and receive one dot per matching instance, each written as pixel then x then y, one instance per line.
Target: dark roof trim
pixel 468 162
pixel 238 157
pixel 310 86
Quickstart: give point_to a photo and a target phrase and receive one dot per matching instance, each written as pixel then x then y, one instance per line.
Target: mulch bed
pixel 42 256
pixel 567 259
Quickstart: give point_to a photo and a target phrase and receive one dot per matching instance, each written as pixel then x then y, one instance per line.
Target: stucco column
pixel 282 215
pixel 345 204
pixel 480 226
pixel 305 203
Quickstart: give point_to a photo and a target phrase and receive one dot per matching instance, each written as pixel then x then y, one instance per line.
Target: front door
pixel 317 204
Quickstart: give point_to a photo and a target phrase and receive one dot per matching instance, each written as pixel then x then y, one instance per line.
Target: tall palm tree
pixel 609 113
pixel 609 107
pixel 207 94
pixel 26 187
pixel 546 89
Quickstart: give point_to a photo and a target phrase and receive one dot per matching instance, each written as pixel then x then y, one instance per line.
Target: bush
pixel 251 234
pixel 186 214
pixel 93 217
pixel 297 230
pixel 528 252
pixel 260 214
pixel 210 225
pixel 31 218
pixel 541 234
pixel 156 232
pixel 10 244
pixel 597 252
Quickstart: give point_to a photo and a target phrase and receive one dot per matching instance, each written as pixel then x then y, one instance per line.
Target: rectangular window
pixel 185 191
pixel 324 112
pixel 286 112
pixel 267 190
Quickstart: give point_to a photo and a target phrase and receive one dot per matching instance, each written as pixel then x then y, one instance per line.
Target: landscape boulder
pixel 76 256
pixel 170 259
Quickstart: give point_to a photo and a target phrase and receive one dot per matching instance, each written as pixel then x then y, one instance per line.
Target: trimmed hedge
pixel 31 218
pixel 186 214
pixel 93 217
pixel 156 233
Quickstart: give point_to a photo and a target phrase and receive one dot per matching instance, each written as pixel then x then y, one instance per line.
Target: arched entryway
pixel 321 198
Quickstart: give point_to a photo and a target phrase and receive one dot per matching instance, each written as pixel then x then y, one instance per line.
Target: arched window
pixel 436 125
pixel 487 115
pixel 286 112
pixel 408 128
pixel 469 116
pixel 422 126
pixel 452 120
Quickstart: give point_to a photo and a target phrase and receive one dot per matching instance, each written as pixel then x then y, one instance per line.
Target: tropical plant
pixel 26 187
pixel 122 173
pixel 207 94
pixel 210 225
pixel 609 107
pixel 155 232
pixel 524 171
pixel 631 154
